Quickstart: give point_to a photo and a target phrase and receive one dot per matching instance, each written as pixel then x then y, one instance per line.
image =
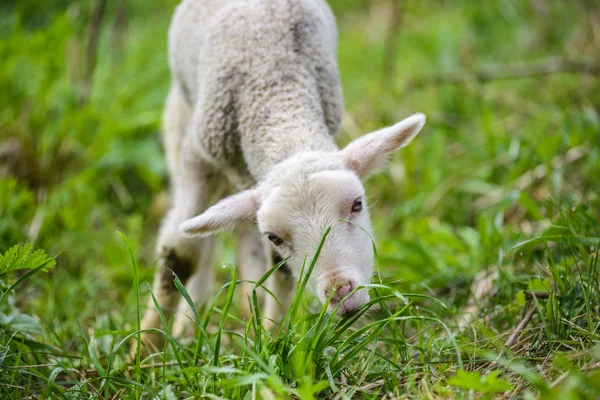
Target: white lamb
pixel 254 106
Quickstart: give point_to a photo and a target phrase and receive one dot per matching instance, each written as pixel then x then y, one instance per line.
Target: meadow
pixel 487 227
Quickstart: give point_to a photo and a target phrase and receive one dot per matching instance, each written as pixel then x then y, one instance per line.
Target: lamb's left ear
pixel 367 153
pixel 228 214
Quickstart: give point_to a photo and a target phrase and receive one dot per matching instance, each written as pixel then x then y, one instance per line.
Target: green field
pixel 487 226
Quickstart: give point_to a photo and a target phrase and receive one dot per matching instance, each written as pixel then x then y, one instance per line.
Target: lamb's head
pixel 304 195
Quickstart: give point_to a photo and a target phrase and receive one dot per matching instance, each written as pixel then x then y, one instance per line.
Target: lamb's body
pixel 256 100
pixel 253 81
pixel 261 79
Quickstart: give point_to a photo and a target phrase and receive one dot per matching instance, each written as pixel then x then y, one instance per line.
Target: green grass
pixel 487 225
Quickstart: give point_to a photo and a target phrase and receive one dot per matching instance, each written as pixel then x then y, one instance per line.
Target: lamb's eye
pixel 357 205
pixel 275 239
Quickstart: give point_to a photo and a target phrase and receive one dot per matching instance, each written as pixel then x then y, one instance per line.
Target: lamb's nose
pixel 342 289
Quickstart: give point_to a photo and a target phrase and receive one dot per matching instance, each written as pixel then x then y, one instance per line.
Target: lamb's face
pixel 305 194
pixel 294 214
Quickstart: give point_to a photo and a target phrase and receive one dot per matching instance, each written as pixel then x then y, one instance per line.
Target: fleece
pixel 253 82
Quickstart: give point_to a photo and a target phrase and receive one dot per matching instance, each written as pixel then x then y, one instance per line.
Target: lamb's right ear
pixel 367 153
pixel 227 215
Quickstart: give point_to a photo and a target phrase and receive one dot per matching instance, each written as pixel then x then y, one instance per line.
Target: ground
pixel 487 226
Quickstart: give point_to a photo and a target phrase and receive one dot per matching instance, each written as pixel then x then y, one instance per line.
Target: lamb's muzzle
pixel 344 290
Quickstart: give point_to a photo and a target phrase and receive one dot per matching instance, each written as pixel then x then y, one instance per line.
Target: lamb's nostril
pixel 341 290
pixel 345 289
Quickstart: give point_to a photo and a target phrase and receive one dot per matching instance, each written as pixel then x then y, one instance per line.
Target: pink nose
pixel 342 289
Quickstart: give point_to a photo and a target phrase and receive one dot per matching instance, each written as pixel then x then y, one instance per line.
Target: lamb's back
pixel 247 68
pixel 241 40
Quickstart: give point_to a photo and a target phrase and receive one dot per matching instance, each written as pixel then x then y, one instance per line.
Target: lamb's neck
pixel 283 124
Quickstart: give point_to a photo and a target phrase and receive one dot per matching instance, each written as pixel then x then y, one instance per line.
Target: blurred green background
pixel 511 149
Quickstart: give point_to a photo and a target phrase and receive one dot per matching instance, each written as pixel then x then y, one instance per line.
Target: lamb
pixel 254 106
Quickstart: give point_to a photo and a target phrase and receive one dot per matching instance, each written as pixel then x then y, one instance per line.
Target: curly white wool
pixel 261 79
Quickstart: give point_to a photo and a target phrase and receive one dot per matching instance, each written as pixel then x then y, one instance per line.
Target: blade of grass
pixel 174 344
pixel 202 332
pixel 228 302
pixel 136 286
pixel 303 280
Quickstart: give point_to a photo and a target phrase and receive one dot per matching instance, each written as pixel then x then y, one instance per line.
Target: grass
pixel 487 226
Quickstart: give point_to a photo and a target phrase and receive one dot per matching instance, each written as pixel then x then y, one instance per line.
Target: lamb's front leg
pixel 199 287
pixel 252 265
pixel 254 258
pixel 192 192
pixel 282 285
